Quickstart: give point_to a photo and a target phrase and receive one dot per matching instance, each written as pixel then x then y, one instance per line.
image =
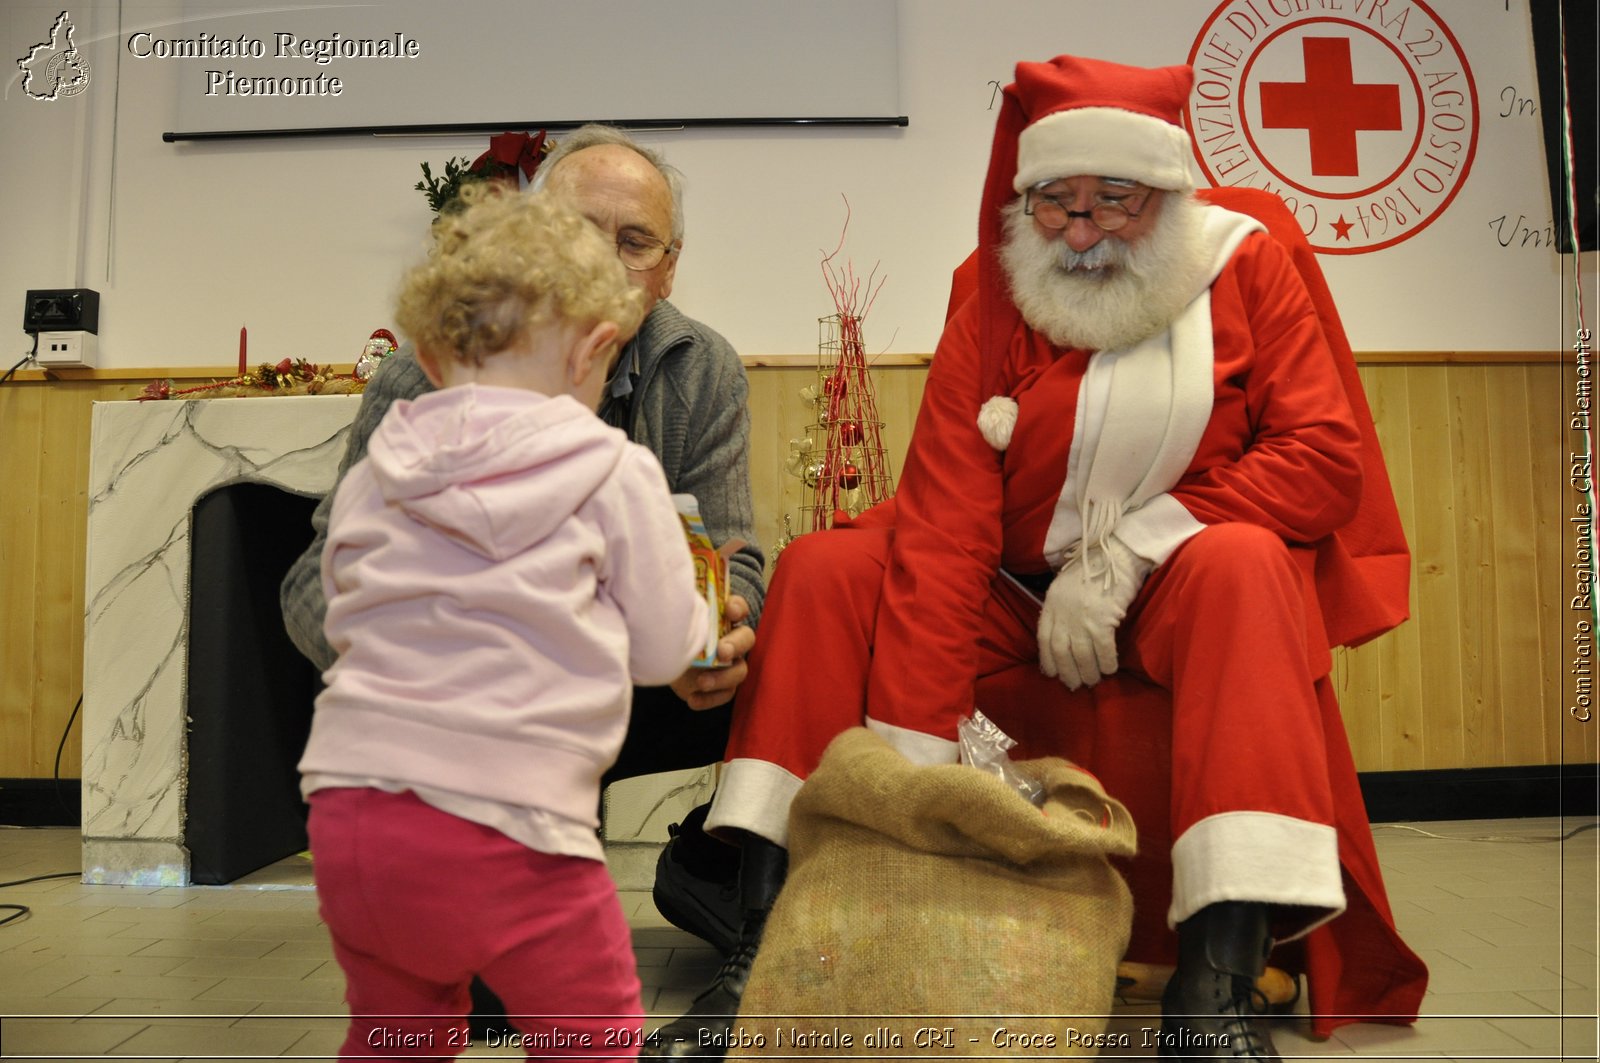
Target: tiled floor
pixel 1503 911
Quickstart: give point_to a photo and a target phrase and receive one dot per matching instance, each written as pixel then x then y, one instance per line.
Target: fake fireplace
pixel 195 704
pixel 250 693
pixel 170 798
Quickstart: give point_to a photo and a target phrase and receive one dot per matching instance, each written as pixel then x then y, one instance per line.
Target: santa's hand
pixel 1083 609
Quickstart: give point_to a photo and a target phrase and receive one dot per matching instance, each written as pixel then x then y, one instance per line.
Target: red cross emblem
pixel 1365 122
pixel 1330 106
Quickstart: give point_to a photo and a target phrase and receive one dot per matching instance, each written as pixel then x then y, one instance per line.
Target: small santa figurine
pixel 380 345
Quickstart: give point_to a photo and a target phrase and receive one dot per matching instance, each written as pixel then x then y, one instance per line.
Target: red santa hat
pixel 1065 118
pixel 1088 116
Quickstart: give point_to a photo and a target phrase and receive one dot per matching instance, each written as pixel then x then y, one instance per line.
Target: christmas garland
pixel 288 377
pixel 291 376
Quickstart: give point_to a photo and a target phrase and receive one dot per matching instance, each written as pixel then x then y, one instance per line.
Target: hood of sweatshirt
pixel 457 459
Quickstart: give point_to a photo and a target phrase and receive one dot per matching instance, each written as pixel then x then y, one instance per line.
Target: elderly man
pixel 1134 450
pixel 679 389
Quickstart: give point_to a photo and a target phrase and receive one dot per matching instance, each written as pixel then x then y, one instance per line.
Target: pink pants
pixel 418 901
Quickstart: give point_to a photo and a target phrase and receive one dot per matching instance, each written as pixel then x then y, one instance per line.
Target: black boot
pixel 702 1033
pixel 1209 1008
pixel 697 883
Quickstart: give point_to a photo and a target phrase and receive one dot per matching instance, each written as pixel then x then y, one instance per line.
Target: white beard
pixel 1114 294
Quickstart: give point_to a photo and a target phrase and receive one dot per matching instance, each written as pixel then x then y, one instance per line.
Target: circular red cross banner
pixel 1361 114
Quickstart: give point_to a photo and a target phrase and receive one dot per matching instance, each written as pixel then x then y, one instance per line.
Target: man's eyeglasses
pixel 1107 214
pixel 640 253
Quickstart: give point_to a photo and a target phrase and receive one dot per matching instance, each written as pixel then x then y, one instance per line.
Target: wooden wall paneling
pixel 22 457
pixel 1512 423
pixel 1475 562
pixel 1358 679
pixel 62 516
pixel 1548 475
pixel 1435 564
pixel 44 446
pixel 899 399
pixel 1358 683
pixel 1400 686
pixel 1364 677
pixel 1477 454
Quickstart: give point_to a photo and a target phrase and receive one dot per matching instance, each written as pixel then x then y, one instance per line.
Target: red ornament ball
pixel 849 477
pixel 850 433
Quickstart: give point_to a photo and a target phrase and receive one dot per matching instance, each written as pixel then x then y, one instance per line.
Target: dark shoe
pixel 697 888
pixel 488 1014
pixel 704 1031
pixel 1210 1009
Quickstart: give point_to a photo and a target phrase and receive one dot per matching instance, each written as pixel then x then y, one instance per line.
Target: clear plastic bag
pixel 985 747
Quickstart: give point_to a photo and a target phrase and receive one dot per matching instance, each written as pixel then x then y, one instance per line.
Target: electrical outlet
pixel 65 350
pixel 61 310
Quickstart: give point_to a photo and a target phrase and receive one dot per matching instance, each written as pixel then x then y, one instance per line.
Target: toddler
pixel 501 569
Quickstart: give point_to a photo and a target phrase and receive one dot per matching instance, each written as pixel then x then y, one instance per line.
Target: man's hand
pixel 1083 609
pixel 706 688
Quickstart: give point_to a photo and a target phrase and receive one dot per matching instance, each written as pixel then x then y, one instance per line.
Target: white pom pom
pixel 996 420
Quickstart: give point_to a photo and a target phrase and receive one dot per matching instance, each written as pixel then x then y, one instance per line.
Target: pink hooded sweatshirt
pixel 501 569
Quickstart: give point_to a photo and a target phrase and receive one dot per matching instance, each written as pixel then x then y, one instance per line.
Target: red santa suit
pixel 1227 454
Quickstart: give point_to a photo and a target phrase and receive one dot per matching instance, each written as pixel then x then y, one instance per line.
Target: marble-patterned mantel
pixel 149 463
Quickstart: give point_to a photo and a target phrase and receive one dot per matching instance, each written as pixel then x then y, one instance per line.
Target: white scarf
pixel 1141 412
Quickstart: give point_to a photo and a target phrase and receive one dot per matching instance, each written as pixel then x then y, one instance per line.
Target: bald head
pixel 627 196
pixel 597 133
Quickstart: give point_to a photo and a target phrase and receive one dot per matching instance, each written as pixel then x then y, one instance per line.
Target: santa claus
pixel 1142 503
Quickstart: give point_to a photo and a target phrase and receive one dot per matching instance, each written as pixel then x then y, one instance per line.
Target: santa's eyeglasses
pixel 1108 214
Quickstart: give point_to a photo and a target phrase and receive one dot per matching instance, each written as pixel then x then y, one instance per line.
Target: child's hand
pixel 707 688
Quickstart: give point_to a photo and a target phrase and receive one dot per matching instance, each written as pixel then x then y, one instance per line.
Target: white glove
pixel 1083 609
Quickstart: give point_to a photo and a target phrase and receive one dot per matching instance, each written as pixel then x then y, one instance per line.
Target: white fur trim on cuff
pixel 1257 856
pixel 1156 529
pixel 754 796
pixel 997 419
pixel 1104 142
pixel 918 748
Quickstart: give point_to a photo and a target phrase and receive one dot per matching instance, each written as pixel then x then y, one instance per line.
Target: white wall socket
pixel 63 350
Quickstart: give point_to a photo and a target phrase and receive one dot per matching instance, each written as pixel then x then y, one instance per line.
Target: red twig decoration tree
pixel 851 473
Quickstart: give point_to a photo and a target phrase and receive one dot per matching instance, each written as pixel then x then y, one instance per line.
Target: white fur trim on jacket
pixel 1104 142
pixel 996 420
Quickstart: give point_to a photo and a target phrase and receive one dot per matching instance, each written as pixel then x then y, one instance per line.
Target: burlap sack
pixel 935 910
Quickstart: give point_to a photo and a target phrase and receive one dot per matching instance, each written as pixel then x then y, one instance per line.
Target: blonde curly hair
pixel 505 264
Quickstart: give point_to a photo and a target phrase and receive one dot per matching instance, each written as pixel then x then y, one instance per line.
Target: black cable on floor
pixel 20 910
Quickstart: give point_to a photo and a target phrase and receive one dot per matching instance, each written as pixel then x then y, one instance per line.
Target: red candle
pixel 241 350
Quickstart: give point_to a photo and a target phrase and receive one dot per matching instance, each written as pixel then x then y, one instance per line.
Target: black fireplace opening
pixel 250 692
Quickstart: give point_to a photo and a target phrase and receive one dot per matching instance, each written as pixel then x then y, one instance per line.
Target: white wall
pixel 302 240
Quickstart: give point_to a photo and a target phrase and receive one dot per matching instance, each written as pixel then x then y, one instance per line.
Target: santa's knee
pixel 834 565
pixel 1229 558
